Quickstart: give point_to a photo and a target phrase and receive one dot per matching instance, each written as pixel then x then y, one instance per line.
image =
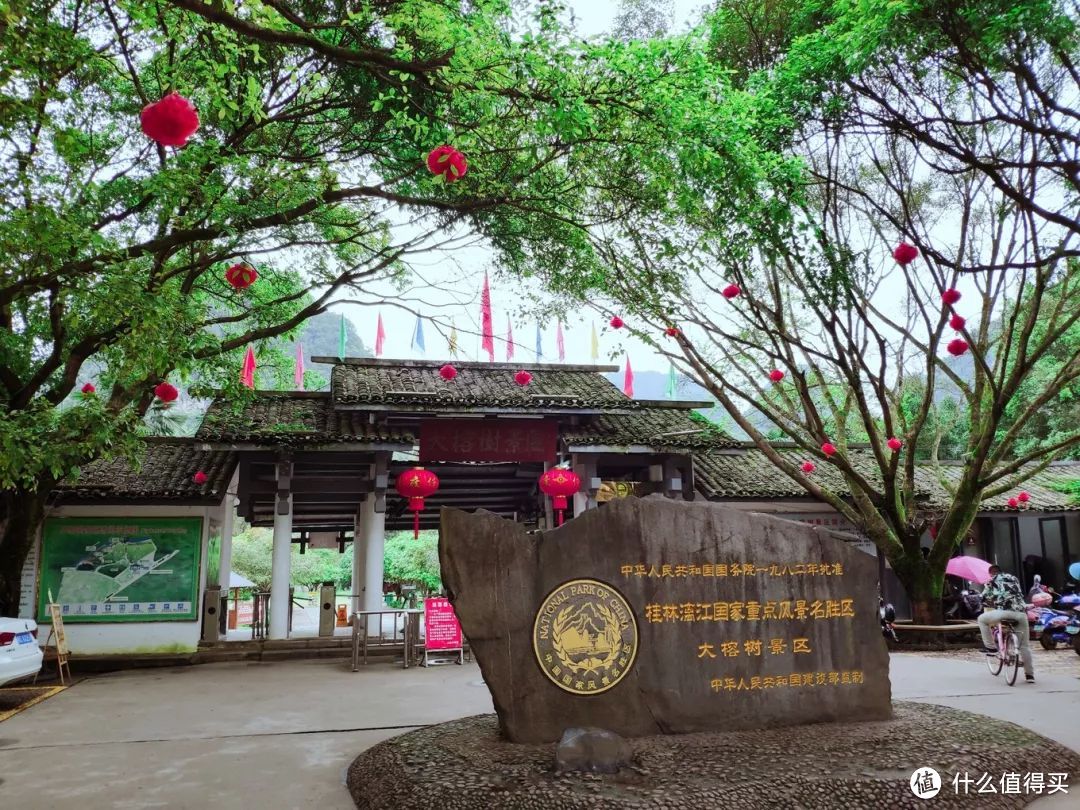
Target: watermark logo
pixel 925 783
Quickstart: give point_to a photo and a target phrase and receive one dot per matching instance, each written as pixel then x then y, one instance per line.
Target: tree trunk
pixel 923 585
pixel 21 514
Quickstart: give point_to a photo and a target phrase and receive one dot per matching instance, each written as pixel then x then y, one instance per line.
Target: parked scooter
pixel 1053 627
pixel 887 615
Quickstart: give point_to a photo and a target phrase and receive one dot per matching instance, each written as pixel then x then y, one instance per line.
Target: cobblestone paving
pixel 465 765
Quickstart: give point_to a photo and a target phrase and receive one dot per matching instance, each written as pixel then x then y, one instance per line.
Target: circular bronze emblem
pixel 585 636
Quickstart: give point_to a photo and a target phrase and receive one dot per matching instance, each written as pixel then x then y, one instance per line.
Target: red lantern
pixel 905 254
pixel 894 444
pixel 559 483
pixel 1023 497
pixel 828 449
pixel 776 375
pixel 957 347
pixel 241 276
pixel 199 478
pixel 523 377
pixel 957 322
pixel 616 322
pixel 417 484
pixel 447 161
pixel 166 392
pixel 672 331
pixel 1013 503
pixel 950 296
pixel 808 467
pixel 170 121
pixel 731 291
pixel 88 389
pixel 448 372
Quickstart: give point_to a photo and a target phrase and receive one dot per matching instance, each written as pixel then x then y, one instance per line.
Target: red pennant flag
pixel 487 332
pixel 559 342
pixel 380 337
pixel 509 340
pixel 247 371
pixel 628 379
pixel 298 370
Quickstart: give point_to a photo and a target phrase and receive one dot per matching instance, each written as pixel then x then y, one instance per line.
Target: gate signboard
pixel 488 440
pixel 442 631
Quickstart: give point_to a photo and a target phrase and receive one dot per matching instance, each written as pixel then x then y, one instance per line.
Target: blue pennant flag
pixel 418 336
pixel 539 345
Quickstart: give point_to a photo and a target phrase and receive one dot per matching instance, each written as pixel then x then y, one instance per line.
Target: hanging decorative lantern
pixel 523 378
pixel 616 322
pixel 199 478
pixel 731 291
pixel 957 347
pixel 559 483
pixel 166 392
pixel 950 296
pixel 417 484
pixel 447 161
pixel 957 322
pixel 1023 497
pixel 170 121
pixel 448 372
pixel 88 389
pixel 241 276
pixel 905 254
pixel 776 375
pixel 808 467
pixel 672 331
pixel 829 449
pixel 894 444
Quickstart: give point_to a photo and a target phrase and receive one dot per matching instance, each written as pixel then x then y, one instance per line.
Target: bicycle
pixel 1008 652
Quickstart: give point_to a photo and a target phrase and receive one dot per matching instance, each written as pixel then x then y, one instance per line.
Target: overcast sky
pixel 449 283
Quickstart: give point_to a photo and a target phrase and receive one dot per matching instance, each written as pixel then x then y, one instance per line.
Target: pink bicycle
pixel 1007 656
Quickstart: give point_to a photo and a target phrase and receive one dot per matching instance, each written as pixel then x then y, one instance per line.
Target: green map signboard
pixel 121 569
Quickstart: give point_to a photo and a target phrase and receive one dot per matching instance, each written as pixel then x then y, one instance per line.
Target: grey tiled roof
pixel 750 474
pixel 165 469
pixel 476 385
pixel 289 418
pixel 653 427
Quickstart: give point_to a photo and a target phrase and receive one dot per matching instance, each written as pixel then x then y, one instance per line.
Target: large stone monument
pixel 651 616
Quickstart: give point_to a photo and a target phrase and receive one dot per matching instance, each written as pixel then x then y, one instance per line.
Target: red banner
pixel 441 628
pixel 488 440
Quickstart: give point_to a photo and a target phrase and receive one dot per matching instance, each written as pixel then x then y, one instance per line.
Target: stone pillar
pixel 280 561
pixel 585 467
pixel 225 564
pixel 359 571
pixel 372 526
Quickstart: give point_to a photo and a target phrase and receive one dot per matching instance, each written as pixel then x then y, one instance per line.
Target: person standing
pixel 1006 598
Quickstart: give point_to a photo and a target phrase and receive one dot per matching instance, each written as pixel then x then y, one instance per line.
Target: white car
pixel 20 655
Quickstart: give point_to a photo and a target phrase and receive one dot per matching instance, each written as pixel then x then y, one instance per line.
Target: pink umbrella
pixel 971 568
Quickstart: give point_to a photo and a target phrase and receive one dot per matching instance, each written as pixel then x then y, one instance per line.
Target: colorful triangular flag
pixel 342 337
pixel 671 382
pixel 595 344
pixel 453 341
pixel 418 336
pixel 380 337
pixel 628 379
pixel 509 340
pixel 560 343
pixel 487 339
pixel 298 369
pixel 539 344
pixel 247 371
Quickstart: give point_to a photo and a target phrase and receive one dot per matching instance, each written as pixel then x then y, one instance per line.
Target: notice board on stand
pixel 442 631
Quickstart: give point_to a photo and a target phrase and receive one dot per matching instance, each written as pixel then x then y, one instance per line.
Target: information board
pixel 442 629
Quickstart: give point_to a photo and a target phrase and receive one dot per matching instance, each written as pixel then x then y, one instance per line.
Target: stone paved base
pixel 466 765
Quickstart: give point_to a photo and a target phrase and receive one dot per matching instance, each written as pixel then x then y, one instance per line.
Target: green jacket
pixel 1003 592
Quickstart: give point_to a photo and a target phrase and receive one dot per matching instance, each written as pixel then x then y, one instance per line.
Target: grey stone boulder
pixel 596 750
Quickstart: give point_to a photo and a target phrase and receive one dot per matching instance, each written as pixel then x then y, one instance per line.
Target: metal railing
pixel 369 630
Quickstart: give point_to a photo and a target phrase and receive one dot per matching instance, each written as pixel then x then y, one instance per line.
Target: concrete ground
pixel 280 735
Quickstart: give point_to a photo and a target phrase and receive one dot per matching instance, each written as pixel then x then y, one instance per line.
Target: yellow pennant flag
pixel 595 344
pixel 453 339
